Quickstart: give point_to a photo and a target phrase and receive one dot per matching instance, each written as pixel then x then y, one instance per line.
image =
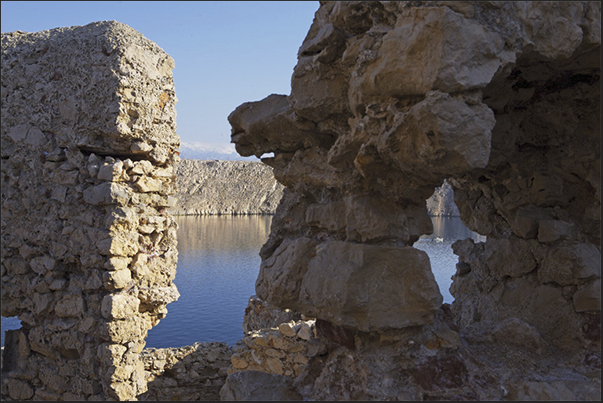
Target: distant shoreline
pixel 240 188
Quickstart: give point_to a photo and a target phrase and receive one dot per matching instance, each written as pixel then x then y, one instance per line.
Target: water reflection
pixel 222 233
pixel 452 228
pixel 218 263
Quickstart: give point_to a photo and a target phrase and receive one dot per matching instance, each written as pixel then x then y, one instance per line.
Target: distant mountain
pixel 211 151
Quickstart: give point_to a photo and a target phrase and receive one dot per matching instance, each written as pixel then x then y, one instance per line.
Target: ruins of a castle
pixel 388 100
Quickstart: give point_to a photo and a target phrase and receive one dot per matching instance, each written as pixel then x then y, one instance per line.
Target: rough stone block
pixel 588 297
pixel 306 332
pixel 553 230
pixel 118 279
pixel 369 287
pixel 509 257
pixel 119 306
pixel 281 274
pixel 42 264
pixel 110 172
pixel 287 329
pixel 72 305
pixel 19 390
pixel 570 264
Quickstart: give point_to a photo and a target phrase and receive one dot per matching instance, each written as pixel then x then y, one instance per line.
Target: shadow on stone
pixel 258 386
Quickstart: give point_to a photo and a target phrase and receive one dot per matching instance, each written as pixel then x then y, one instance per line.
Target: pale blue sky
pixel 226 52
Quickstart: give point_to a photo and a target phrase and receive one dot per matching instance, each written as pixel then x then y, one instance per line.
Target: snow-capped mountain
pixel 210 151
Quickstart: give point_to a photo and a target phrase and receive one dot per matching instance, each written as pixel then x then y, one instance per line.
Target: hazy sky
pixel 226 52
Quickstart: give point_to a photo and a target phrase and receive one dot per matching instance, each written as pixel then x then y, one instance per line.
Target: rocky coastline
pixel 219 187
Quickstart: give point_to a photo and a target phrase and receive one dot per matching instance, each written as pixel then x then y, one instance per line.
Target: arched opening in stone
pixel 447 229
pixel 537 201
pixel 504 107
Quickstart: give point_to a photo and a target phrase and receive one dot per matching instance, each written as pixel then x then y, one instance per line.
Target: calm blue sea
pixel 218 264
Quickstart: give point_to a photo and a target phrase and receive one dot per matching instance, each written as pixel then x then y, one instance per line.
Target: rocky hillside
pixel 441 203
pixel 249 187
pixel 225 187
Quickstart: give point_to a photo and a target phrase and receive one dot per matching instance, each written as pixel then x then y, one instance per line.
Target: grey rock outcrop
pixel 388 100
pixel 225 187
pixel 441 202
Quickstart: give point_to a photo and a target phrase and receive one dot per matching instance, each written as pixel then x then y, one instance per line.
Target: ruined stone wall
pixel 276 341
pixel 388 100
pixel 88 249
pixel 194 372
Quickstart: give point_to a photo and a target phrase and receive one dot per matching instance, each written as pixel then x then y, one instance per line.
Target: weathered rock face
pixel 88 248
pixel 389 99
pixel 441 202
pixel 225 187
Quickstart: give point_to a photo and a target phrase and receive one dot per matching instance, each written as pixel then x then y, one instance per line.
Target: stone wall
pixel 276 341
pixel 194 372
pixel 88 248
pixel 388 100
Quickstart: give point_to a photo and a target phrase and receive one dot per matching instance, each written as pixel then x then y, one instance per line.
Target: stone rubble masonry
pixel 194 372
pixel 276 341
pixel 260 314
pixel 88 247
pixel 284 350
pixel 389 100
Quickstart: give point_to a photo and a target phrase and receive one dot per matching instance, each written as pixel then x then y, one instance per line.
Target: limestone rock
pixel 441 203
pixel 225 187
pixel 119 306
pixel 390 100
pixel 369 287
pixel 236 187
pixel 281 275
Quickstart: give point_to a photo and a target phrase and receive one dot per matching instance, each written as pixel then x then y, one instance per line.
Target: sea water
pixel 438 246
pixel 218 263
